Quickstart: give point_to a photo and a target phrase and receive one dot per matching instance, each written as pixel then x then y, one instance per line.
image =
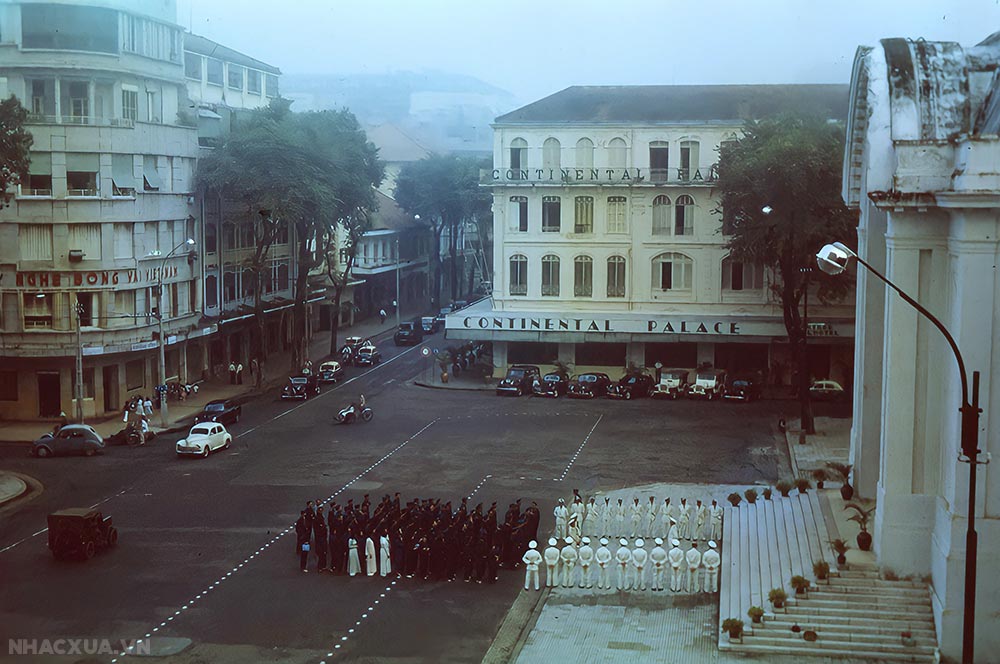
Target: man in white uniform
pixel 623 557
pixel 568 556
pixel 639 557
pixel 592 519
pixel 603 558
pixel 573 529
pixel 684 519
pixel 531 559
pixel 562 516
pixel 674 531
pixel 658 557
pixel 578 508
pixel 586 554
pixel 652 517
pixel 711 560
pixel 700 516
pixel 619 515
pixel 606 519
pixel 693 557
pixel 551 561
pixel 715 515
pixel 676 558
pixel 636 513
pixel 665 517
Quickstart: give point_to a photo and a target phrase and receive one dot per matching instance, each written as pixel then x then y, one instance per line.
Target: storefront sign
pixel 649 326
pixel 145 345
pixel 95 278
pixel 92 350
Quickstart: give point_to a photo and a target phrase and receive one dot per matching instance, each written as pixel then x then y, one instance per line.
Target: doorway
pixel 111 402
pixel 49 398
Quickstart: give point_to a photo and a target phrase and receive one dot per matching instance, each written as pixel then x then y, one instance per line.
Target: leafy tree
pixel 15 142
pixel 780 203
pixel 339 267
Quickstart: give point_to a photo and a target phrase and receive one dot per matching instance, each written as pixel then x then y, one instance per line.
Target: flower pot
pixel 796 629
pixel 734 635
pixel 819 484
pixel 865 541
pixel 784 494
pixel 846 491
pixel 809 635
pixel 909 642
pixel 841 559
pixel 779 603
pixel 757 619
pixel 800 591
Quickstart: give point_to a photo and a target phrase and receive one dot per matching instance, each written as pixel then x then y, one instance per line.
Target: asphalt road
pixel 205 549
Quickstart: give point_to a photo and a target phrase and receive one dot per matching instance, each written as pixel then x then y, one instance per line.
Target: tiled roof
pixel 205 46
pixel 390 216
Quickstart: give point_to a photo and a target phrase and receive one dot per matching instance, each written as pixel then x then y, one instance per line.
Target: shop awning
pixel 150 174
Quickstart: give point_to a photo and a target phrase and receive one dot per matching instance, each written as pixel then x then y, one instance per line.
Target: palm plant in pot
pixel 802 484
pixel 767 493
pixel 734 499
pixel 862 517
pixel 843 472
pixel 756 614
pixel 800 583
pixel 751 495
pixel 777 597
pixel 819 476
pixel 783 487
pixel 734 626
pixel 840 547
pixel 821 569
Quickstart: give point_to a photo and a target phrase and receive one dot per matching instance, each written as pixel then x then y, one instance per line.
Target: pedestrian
pixel 715 517
pixel 658 556
pixel 239 373
pixel 258 372
pixel 561 515
pixel 711 560
pixel 551 562
pixel 623 557
pixel 693 557
pixel 302 530
pixel 569 556
pixel 639 557
pixel 573 528
pixel 232 373
pixel 353 563
pixel 385 555
pixel 531 559
pixel 603 558
pixel 320 537
pixel 382 315
pixel 586 556
pixel 606 517
pixel 676 558
pixel 147 405
pixel 370 559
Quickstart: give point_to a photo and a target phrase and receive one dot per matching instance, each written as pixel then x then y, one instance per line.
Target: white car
pixel 203 439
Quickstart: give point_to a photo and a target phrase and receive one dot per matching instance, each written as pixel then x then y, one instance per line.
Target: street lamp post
pixel 397 280
pixel 833 259
pixel 79 362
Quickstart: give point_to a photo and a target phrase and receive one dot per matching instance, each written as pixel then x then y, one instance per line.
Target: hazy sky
pixel 535 47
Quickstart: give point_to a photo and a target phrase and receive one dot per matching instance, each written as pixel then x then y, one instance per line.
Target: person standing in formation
pixel 577 507
pixel 658 556
pixel 551 564
pixel 353 562
pixel 711 560
pixel 370 564
pixel 606 517
pixel 684 520
pixel 603 558
pixel 676 558
pixel 693 557
pixel 619 515
pixel 639 557
pixel 664 518
pixel 674 531
pixel 700 516
pixel 623 556
pixel 652 517
pixel 562 517
pixel 531 559
pixel 715 514
pixel 592 519
pixel 569 557
pixel 320 532
pixel 303 529
pixel 636 520
pixel 586 554
pixel 573 529
pixel 385 555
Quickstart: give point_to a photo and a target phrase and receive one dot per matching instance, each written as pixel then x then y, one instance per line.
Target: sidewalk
pixel 11 486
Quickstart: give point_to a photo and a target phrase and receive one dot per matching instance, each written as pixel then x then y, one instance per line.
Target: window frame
pixel 552 153
pixel 521 208
pixel 517 282
pixel 683 216
pixel 583 215
pixel 232 69
pixel 583 276
pixel 548 212
pixel 678 262
pixel 616 289
pixel 615 215
pixel 551 265
pixel 660 218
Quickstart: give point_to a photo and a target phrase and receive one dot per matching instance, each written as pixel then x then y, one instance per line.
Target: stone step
pixel 855 573
pixel 866 604
pixel 810 649
pixel 866 629
pixel 863 591
pixel 914 616
pixel 922 621
pixel 836 643
pixel 865 582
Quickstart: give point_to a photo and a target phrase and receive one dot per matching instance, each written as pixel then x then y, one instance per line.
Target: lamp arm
pixel 929 316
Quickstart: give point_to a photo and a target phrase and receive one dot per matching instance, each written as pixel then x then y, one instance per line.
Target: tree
pixel 780 203
pixel 15 142
pixel 339 267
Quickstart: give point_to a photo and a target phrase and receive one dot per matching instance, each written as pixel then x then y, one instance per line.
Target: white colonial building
pixel 922 167
pixel 608 250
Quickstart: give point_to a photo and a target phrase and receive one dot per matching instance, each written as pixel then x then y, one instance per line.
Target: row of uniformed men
pixel 631 565
pixel 673 521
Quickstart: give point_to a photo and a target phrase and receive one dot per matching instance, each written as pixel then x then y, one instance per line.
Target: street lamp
pixel 79 361
pixel 833 259
pixel 397 281
pixel 164 414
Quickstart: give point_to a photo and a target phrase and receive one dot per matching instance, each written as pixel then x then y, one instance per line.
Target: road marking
pixel 578 450
pixel 357 623
pixel 478 487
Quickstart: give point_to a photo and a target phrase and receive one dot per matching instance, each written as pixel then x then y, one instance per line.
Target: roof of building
pixel 679 104
pixel 205 46
pixel 395 145
pixel 390 216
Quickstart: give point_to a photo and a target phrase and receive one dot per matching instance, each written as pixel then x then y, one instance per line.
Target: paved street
pixel 205 545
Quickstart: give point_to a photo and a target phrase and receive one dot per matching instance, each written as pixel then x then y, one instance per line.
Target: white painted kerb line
pixel 578 450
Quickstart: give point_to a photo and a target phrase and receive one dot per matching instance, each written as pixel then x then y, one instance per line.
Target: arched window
pixel 738 276
pixel 550 153
pixel 584 153
pixel 690 160
pixel 518 275
pixel 684 216
pixel 551 214
pixel 584 220
pixel 518 157
pixel 672 272
pixel 661 215
pixel 211 291
pixel 583 276
pixel 616 214
pixel 229 284
pixel 616 276
pixel 519 214
pixel 550 275
pixel 617 153
pixel 211 238
pixel 659 160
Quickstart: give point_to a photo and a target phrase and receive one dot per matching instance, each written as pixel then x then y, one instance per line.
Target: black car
pixel 588 386
pixel 552 385
pixel 632 386
pixel 743 388
pixel 430 325
pixel 223 411
pixel 409 333
pixel 367 356
pixel 302 387
pixel 441 314
pixel 519 379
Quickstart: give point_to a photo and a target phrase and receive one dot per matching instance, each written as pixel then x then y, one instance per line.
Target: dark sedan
pixel 302 387
pixel 409 332
pixel 551 385
pixel 223 411
pixel 743 388
pixel 519 379
pixel 430 324
pixel 630 387
pixel 588 386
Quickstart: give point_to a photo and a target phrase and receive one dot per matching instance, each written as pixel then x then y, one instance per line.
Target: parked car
pixel 302 386
pixel 330 372
pixel 551 385
pixel 631 386
pixel 367 356
pixel 588 386
pixel 458 305
pixel 743 387
pixel 224 411
pixel 80 532
pixel 409 333
pixel 673 384
pixel 519 380
pixel 708 384
pixel 70 439
pixel 826 390
pixel 354 343
pixel 203 439
pixel 430 325
pixel 441 314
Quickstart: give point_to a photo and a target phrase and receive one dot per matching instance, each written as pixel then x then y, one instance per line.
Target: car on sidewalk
pixel 70 439
pixel 302 387
pixel 330 372
pixel 430 325
pixel 743 387
pixel 631 386
pixel 673 384
pixel 552 385
pixel 409 333
pixel 224 411
pixel 203 439
pixel 80 532
pixel 588 385
pixel 708 384
pixel 519 380
pixel 367 356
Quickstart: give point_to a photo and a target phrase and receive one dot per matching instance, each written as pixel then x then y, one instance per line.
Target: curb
pixel 29 487
pixel 517 625
pixel 17 488
pixel 431 386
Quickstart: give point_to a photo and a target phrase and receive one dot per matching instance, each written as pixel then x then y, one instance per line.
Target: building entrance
pixel 49 401
pixel 111 402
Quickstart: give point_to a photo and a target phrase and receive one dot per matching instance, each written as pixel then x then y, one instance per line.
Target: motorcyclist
pixel 358 406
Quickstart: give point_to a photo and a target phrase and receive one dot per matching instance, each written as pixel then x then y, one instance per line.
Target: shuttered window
pixel 35 242
pixel 86 238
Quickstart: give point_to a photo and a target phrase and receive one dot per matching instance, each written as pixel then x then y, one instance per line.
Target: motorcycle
pixel 350 413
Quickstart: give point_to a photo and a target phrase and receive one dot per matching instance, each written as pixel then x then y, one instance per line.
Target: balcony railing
pixel 35 118
pixel 82 192
pixel 26 191
pixel 598 176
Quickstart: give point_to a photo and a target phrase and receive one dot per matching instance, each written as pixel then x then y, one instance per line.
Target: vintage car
pixel 80 532
pixel 631 386
pixel 588 386
pixel 302 386
pixel 70 439
pixel 519 379
pixel 826 390
pixel 131 434
pixel 673 384
pixel 430 325
pixel 352 344
pixel 409 333
pixel 203 439
pixel 458 305
pixel 441 314
pixel 708 384
pixel 551 385
pixel 743 387
pixel 329 372
pixel 224 411
pixel 367 356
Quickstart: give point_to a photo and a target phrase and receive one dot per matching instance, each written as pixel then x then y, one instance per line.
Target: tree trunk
pixel 452 253
pixel 335 323
pixel 300 344
pixel 805 403
pixel 436 262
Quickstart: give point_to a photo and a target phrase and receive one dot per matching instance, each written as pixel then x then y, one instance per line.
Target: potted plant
pixel 841 547
pixel 821 569
pixel 783 487
pixel 843 471
pixel 756 614
pixel 906 638
pixel 800 583
pixel 777 597
pixel 767 493
pixel 795 628
pixel 802 484
pixel 734 626
pixel 820 476
pixel 809 635
pixel 734 498
pixel 862 517
pixel 751 495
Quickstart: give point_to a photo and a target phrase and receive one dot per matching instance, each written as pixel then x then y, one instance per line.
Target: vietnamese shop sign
pixel 649 326
pixel 83 279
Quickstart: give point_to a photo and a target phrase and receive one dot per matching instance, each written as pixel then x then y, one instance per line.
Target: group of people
pixel 637 518
pixel 423 538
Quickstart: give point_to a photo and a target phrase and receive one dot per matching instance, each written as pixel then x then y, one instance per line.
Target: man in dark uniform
pixel 302 531
pixel 320 537
pixel 333 521
pixel 531 519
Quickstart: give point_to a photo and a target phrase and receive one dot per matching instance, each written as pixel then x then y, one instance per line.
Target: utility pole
pixel 397 279
pixel 79 362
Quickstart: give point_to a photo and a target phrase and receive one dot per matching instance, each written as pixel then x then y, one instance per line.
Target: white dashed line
pixel 578 450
